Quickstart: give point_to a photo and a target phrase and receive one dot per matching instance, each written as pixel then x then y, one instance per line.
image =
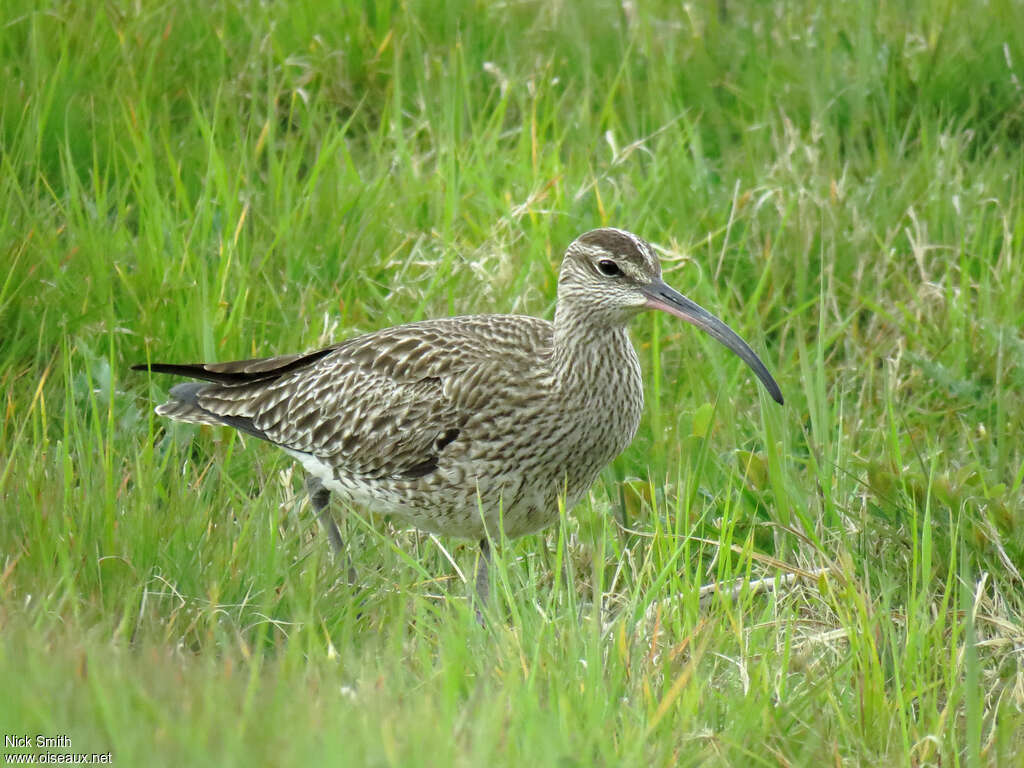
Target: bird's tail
pixel 183 405
pixel 221 401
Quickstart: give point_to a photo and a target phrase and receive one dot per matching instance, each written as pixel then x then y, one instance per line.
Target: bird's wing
pixel 384 404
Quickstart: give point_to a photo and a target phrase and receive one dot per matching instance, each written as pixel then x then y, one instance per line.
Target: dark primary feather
pixel 239 371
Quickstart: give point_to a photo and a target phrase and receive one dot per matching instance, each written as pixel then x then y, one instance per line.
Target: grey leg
pixel 483 578
pixel 320 497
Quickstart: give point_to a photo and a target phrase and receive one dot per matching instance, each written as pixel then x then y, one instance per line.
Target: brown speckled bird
pixel 459 424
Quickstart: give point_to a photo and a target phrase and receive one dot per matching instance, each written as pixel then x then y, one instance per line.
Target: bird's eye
pixel 608 268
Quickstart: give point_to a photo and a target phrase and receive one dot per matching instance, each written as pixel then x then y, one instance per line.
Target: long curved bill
pixel 661 296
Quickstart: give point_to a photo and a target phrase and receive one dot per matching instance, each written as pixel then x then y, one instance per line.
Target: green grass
pixel 842 183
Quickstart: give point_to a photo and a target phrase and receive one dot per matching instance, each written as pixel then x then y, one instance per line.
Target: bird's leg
pixel 319 497
pixel 483 578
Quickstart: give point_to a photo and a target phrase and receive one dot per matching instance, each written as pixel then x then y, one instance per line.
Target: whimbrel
pixel 461 424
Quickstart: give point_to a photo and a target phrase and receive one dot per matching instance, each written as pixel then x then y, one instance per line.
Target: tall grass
pixel 842 183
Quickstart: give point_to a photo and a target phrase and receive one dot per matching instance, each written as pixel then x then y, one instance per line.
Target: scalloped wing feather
pixel 383 404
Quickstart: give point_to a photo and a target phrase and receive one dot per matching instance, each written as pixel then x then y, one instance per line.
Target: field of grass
pixel 842 183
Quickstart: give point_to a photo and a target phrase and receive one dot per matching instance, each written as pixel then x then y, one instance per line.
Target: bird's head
pixel 610 275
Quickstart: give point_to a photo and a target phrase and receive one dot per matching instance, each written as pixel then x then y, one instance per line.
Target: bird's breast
pixel 601 395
